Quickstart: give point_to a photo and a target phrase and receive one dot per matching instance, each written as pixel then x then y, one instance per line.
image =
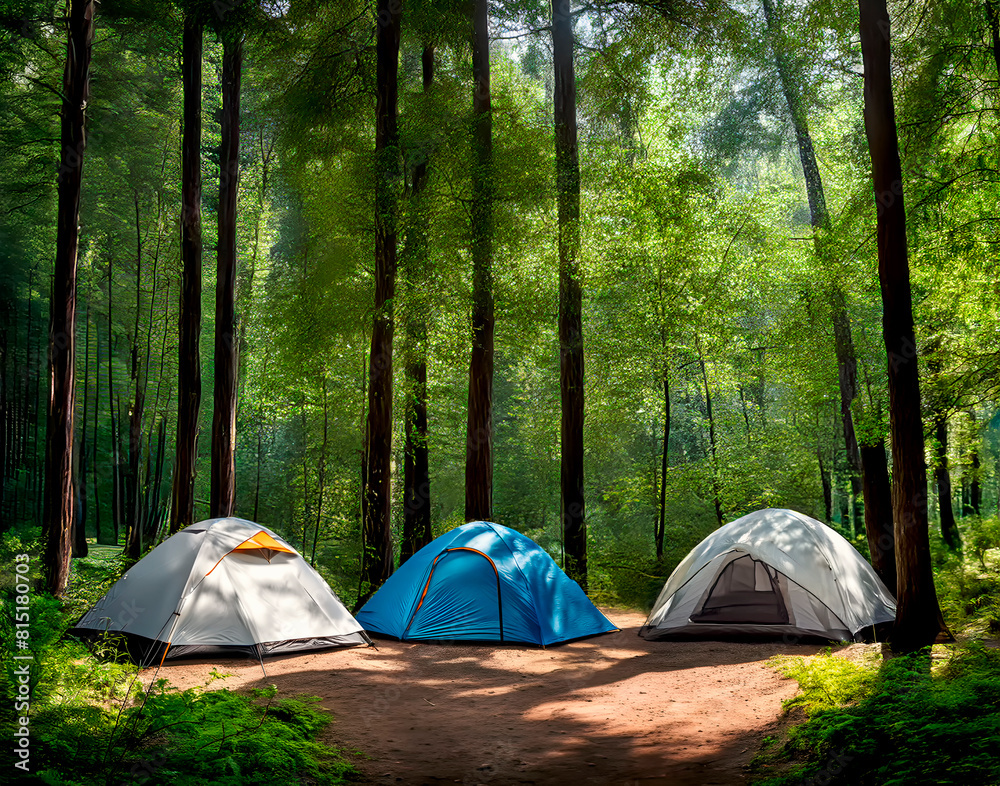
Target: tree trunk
pixel 570 296
pixel 993 17
pixel 189 357
pixel 942 476
pixel 376 564
pixel 878 513
pixel 711 433
pixel 661 523
pixel 133 515
pixel 80 512
pixel 918 617
pixel 479 431
pixel 824 477
pixel 321 474
pixel 116 491
pixel 223 493
pixel 97 415
pixel 416 473
pixel 57 517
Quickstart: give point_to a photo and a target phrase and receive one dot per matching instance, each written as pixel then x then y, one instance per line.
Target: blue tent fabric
pixel 482 582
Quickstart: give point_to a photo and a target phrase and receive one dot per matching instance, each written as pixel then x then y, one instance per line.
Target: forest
pixel 611 273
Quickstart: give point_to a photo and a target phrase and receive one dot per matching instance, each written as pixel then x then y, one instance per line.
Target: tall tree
pixel 918 617
pixel 574 523
pixel 479 431
pixel 416 467
pixel 57 517
pixel 874 488
pixel 376 523
pixel 189 353
pixel 223 485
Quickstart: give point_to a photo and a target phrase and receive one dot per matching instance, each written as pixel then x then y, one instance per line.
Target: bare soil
pixel 613 709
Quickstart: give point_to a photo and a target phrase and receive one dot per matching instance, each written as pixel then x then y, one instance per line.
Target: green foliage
pixel 904 721
pixel 187 737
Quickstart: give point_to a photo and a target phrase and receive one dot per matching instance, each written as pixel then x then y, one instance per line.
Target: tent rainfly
pixel 771 573
pixel 222 585
pixel 482 582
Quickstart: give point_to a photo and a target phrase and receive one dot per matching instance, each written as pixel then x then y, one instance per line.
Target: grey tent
pixel 222 585
pixel 771 573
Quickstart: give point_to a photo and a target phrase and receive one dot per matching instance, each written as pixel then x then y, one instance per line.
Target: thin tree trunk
pixel 376 565
pixel 256 485
pixel 189 365
pixel 97 416
pixel 57 517
pixel 571 368
pixel 479 432
pixel 416 474
pixel 942 476
pixel 80 513
pixel 918 617
pixel 661 524
pixel 116 506
pixel 321 474
pixel 306 514
pixel 226 345
pixel 711 432
pixel 132 479
pixel 824 477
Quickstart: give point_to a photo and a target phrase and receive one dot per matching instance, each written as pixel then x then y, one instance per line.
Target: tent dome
pixel 482 582
pixel 776 573
pixel 222 584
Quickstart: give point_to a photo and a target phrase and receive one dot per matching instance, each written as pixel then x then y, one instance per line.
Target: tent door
pixel 746 592
pixel 460 600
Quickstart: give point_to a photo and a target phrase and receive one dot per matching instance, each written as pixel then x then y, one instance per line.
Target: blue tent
pixel 482 582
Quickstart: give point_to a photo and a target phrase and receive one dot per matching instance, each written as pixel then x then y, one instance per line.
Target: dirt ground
pixel 614 709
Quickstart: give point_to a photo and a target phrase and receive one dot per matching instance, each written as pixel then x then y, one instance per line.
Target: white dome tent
pixel 771 573
pixel 222 585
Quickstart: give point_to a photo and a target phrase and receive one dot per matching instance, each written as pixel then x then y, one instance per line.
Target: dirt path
pixel 614 709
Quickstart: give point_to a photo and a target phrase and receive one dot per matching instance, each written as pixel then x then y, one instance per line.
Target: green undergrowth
pixel 182 738
pixel 93 721
pixel 902 722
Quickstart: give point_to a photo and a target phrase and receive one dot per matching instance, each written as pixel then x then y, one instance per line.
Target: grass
pixel 928 718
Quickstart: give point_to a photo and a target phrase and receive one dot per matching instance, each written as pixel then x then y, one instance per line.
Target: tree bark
pixel 824 477
pixel 993 17
pixel 416 469
pixel 80 511
pixel 223 485
pixel 97 415
pixel 189 357
pixel 376 524
pixel 57 517
pixel 942 476
pixel 321 474
pixel 711 433
pixel 479 430
pixel 571 370
pixel 878 513
pixel 661 523
pixel 133 515
pixel 918 617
